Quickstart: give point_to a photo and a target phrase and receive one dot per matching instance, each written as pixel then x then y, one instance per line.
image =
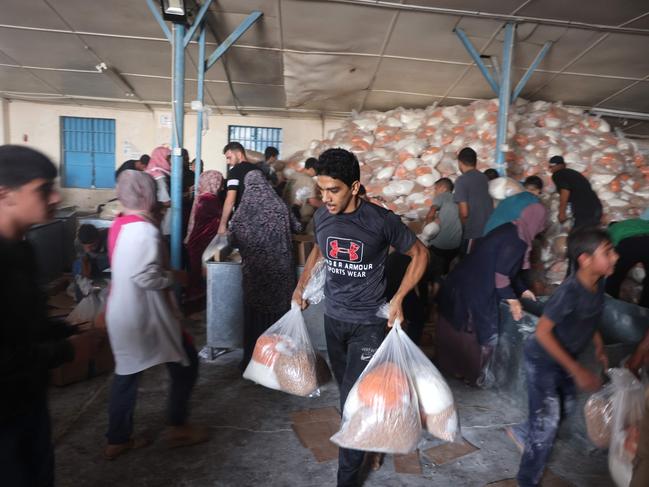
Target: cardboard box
pixel 302 247
pixel 94 359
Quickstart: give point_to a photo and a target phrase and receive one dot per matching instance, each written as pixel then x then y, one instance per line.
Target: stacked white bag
pixel 403 152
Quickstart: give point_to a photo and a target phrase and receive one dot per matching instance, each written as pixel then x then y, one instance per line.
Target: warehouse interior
pixel 309 68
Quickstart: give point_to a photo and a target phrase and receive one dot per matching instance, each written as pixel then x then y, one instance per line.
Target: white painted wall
pixel 139 131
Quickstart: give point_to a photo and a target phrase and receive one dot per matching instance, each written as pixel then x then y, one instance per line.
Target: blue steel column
pixel 475 55
pixel 178 80
pixel 528 74
pixel 504 98
pixel 200 97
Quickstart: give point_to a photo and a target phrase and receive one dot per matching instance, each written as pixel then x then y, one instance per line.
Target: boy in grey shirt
pixel 472 197
pixel 445 245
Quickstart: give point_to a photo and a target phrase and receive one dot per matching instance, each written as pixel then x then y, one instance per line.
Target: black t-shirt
pixel 128 165
pixel 576 312
pixel 236 177
pixel 30 343
pixel 583 200
pixel 355 246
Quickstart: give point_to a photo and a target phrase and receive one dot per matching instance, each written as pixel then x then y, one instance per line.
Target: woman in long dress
pixel 142 320
pixel 467 332
pixel 203 225
pixel 261 230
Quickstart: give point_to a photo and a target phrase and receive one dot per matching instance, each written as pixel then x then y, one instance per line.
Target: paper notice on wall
pixel 165 120
pixel 130 151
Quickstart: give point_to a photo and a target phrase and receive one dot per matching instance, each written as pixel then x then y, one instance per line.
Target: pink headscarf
pixel 209 183
pixel 532 221
pixel 159 165
pixel 136 191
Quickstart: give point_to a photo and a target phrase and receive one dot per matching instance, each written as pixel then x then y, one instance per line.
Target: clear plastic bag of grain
pixel 598 412
pixel 628 409
pixel 284 358
pixel 436 403
pixel 381 413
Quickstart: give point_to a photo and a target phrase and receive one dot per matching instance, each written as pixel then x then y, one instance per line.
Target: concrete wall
pixel 139 131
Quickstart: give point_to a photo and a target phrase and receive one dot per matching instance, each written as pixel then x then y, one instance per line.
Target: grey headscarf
pixel 136 190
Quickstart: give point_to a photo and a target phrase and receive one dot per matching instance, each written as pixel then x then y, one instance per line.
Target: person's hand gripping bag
pixel 284 358
pixel 381 413
pixel 628 409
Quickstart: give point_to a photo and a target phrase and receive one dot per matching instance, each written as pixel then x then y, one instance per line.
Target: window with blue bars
pixel 256 138
pixel 88 152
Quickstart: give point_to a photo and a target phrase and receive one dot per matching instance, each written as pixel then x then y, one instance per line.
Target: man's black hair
pixel 339 164
pixel 271 152
pixel 362 191
pixel 447 183
pixel 20 165
pixel 234 146
pixel 88 234
pixel 585 241
pixel 145 158
pixel 555 160
pixel 534 181
pixel 491 174
pixel 311 163
pixel 468 156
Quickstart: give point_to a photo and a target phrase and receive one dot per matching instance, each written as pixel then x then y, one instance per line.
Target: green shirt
pixel 635 227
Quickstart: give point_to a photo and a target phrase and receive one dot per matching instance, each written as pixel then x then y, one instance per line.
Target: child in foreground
pixel 568 323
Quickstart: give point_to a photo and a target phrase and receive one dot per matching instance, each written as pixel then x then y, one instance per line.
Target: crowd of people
pixel 476 260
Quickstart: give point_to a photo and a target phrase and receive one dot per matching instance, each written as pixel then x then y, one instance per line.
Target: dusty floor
pixel 253 444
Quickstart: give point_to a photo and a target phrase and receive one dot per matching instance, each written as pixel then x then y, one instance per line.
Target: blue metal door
pixel 88 152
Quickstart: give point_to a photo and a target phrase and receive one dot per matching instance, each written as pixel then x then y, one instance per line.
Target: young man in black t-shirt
pixel 235 155
pixel 354 238
pixel 30 342
pixel 575 189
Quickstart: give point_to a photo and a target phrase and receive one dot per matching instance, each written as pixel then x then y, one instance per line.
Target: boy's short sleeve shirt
pixel 450 226
pixel 575 312
pixel 472 188
pixel 355 247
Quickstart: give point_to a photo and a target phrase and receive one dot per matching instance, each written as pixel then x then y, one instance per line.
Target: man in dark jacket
pixel 30 344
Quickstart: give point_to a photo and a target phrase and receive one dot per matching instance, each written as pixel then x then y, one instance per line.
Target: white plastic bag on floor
pixel 381 413
pixel 598 412
pixel 284 358
pixel 314 289
pixel 86 310
pixel 628 408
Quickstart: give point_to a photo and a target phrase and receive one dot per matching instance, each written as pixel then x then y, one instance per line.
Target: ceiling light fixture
pixel 174 10
pixel 118 79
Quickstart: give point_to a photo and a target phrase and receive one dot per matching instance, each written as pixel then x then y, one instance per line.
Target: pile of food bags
pixel 628 403
pixel 284 358
pixel 402 153
pixel 399 391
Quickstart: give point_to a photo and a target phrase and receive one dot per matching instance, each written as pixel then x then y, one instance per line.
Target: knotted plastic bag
pixel 314 289
pixel 628 409
pixel 381 413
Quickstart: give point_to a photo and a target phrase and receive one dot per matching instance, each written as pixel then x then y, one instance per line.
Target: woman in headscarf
pixel 204 221
pixel 261 230
pixel 142 319
pixel 159 168
pixel 467 332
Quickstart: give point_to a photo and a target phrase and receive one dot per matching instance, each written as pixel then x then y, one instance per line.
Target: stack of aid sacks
pixel 402 153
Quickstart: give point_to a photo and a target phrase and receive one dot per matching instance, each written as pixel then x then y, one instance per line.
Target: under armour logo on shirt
pixel 345 249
